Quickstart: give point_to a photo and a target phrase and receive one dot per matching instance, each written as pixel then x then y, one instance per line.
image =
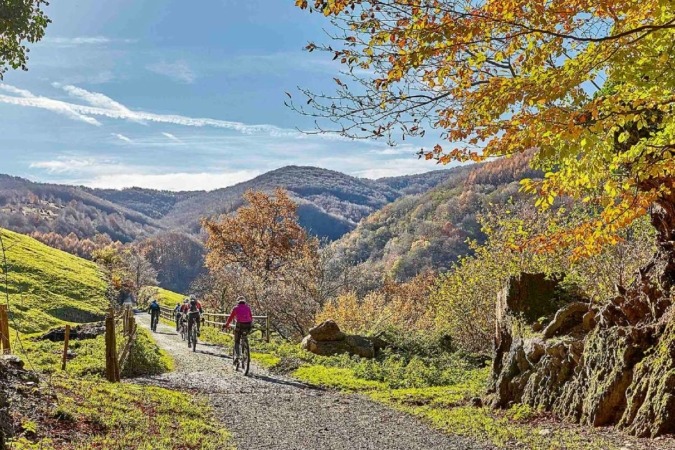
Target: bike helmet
pixel 241 300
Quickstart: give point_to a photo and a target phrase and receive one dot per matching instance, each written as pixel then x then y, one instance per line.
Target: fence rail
pixel 261 323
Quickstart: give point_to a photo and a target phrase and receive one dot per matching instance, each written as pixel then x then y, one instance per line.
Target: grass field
pixel 49 288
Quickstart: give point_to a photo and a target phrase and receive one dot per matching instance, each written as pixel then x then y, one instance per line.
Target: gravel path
pixel 270 411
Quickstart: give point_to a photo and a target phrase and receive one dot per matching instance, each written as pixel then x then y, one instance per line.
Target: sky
pixel 177 95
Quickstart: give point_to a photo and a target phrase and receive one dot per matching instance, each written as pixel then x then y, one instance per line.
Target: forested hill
pixel 26 207
pixel 331 204
pixel 430 231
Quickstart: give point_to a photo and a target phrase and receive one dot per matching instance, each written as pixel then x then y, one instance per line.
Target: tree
pixel 274 260
pixel 126 268
pixel 590 85
pixel 20 21
pixel 139 269
pixel 177 257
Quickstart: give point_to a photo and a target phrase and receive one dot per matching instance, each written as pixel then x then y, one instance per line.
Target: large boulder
pixel 327 331
pixel 326 339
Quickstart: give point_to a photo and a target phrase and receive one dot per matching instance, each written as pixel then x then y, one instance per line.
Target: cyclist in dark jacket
pixel 195 312
pixel 154 311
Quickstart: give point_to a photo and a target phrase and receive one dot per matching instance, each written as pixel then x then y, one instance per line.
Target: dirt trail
pixel 270 411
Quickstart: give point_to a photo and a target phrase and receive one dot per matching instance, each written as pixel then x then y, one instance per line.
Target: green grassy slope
pixel 47 286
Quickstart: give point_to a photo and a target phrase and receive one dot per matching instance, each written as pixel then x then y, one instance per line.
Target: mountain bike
pixel 154 319
pixel 183 328
pixel 192 333
pixel 244 360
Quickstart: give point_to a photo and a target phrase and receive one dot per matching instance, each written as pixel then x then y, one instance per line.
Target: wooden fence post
pixel 112 370
pixel 267 329
pixel 4 330
pixel 66 340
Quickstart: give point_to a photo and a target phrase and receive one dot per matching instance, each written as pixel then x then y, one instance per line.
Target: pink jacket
pixel 242 313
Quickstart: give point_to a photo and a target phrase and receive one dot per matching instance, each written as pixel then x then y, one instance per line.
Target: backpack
pixel 193 306
pixel 154 306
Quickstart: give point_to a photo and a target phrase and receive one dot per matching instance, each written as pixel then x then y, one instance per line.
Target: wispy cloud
pixel 111 174
pixel 122 137
pixel 178 181
pixel 172 137
pixel 404 150
pixel 93 98
pixel 106 107
pixel 84 40
pixel 177 70
pixel 394 167
pixel 27 98
pixel 77 165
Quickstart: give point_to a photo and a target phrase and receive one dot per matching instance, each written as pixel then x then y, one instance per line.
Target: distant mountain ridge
pixel 330 203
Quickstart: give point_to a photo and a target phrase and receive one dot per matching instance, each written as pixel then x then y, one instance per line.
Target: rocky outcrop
pixel 567 319
pixel 85 331
pixel 608 366
pixel 326 339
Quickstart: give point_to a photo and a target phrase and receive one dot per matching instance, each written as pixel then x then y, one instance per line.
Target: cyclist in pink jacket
pixel 244 317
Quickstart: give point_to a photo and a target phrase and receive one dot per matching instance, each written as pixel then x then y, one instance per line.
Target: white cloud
pixel 177 71
pixel 395 167
pixel 84 40
pixel 93 98
pixel 72 165
pixel 405 150
pixel 78 40
pixel 27 98
pixel 172 137
pixel 120 112
pixel 122 137
pixel 111 174
pixel 14 90
pixel 179 181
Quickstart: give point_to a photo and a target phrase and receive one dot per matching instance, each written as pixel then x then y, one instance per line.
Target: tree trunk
pixel 663 220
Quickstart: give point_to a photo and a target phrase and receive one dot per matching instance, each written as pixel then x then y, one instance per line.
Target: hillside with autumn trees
pixel 432 230
pixel 522 298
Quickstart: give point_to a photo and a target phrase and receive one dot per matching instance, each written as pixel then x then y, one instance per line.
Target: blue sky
pixel 175 94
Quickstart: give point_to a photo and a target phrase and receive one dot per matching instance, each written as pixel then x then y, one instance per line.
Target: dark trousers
pixel 239 329
pixel 193 319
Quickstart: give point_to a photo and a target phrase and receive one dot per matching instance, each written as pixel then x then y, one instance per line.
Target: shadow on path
pixel 291 383
pixel 218 355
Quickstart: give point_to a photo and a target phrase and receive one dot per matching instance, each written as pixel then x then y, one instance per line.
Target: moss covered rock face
pixel 619 371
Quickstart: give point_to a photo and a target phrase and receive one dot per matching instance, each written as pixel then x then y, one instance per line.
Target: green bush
pixel 145 358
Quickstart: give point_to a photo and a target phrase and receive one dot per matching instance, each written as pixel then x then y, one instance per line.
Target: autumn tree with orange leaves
pixel 266 256
pixel 590 84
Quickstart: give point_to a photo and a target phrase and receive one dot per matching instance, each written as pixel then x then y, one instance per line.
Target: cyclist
pixel 154 311
pixel 195 312
pixel 244 317
pixel 176 315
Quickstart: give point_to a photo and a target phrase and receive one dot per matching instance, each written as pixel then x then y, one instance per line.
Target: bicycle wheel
pixel 194 338
pixel 235 363
pixel 245 355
